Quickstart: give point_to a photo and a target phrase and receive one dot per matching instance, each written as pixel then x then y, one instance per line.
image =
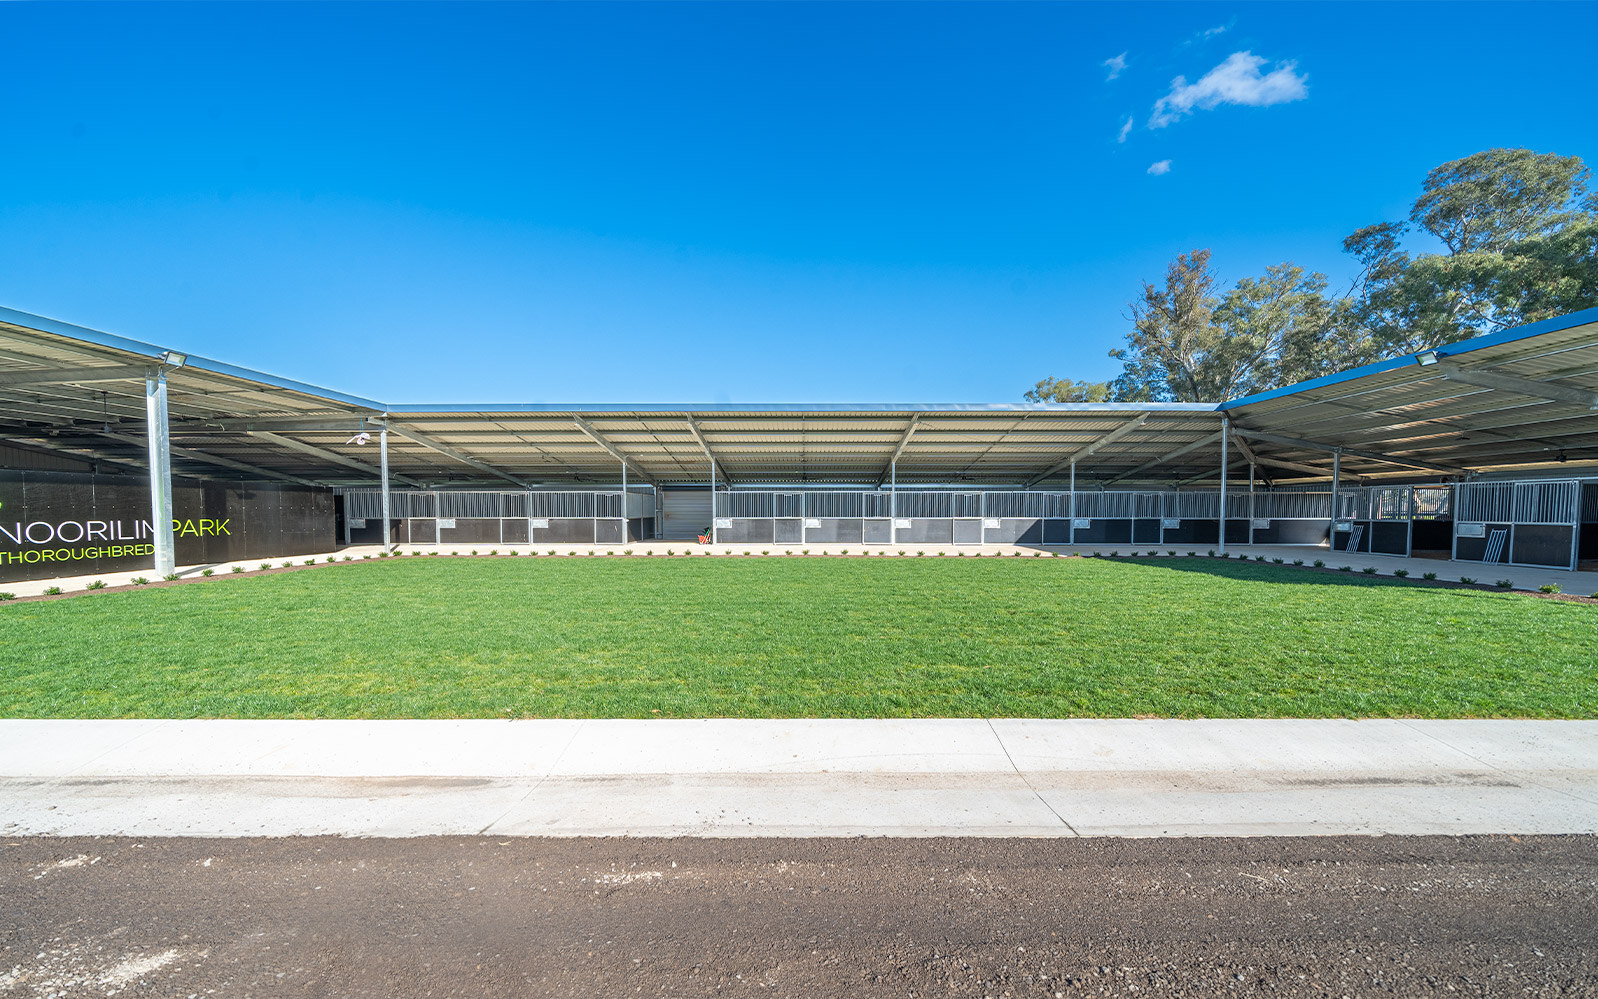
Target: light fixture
pixel 174 359
pixel 1426 358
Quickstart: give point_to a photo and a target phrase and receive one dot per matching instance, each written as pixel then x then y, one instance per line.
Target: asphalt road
pixel 487 917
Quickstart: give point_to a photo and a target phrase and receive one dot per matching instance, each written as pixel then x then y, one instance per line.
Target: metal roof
pixel 1510 400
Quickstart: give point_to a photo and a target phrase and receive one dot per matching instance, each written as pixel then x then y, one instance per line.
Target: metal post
pixel 1251 503
pixel 626 532
pixel 893 500
pixel 160 445
pixel 382 451
pixel 1070 536
pixel 1224 435
pixel 1337 475
pixel 346 522
pixel 712 500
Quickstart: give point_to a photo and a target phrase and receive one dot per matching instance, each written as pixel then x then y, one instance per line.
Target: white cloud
pixel 1208 33
pixel 1115 66
pixel 1126 129
pixel 1162 167
pixel 1238 80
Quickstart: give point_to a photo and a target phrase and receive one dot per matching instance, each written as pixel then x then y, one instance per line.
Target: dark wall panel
pixel 1293 532
pixel 1472 549
pixel 1105 532
pixel 71 524
pixel 1542 544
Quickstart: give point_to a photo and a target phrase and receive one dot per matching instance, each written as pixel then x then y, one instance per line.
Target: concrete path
pixel 932 777
pixel 1520 577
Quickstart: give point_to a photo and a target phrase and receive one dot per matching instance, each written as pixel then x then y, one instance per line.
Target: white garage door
pixel 686 513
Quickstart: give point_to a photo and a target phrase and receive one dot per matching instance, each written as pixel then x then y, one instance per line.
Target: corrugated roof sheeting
pixel 227 421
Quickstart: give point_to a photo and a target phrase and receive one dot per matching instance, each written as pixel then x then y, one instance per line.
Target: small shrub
pixel 1429 575
pixel 1277 561
pixel 668 552
pixel 901 553
pixel 804 551
pixel 513 554
pixel 629 551
pixel 1320 564
pixel 139 581
pixel 1505 584
pixel 764 552
pixel 844 552
pixel 1345 568
pixel 457 553
pixel 1401 573
pixel 960 554
pixel 351 558
pixel 7 596
pixel 1036 554
pixel 98 584
pixel 268 565
pixel 1212 553
pixel 1192 554
pixel 207 572
pixel 552 551
pixel 240 568
pixel 1468 580
pixel 590 553
pixel 1173 554
pixel 413 553
pixel 1595 596
pixel 941 554
pixel 1112 554
pixel 289 564
pixel 1298 561
pixel 52 591
pixel 787 551
pixel 1549 588
pixel 330 559
pixel 568 554
pixel 474 552
pixel 172 577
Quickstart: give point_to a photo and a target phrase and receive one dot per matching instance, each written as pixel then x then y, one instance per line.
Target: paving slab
pixel 817 777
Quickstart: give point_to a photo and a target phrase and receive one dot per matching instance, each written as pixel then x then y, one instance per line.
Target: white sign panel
pixel 723 522
pixel 445 523
pixel 1262 522
pixel 991 523
pixel 1171 523
pixel 1472 530
pixel 357 522
pixel 541 522
pixel 902 522
pixel 812 522
pixel 1082 523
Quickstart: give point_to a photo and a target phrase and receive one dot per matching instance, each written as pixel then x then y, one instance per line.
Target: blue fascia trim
pixel 708 408
pixel 1511 335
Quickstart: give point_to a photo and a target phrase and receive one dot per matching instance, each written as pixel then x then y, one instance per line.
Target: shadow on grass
pixel 1270 572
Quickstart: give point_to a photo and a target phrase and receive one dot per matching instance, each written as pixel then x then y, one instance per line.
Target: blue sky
pixel 755 202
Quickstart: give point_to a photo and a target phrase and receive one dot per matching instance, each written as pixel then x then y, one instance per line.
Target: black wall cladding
pixel 219 522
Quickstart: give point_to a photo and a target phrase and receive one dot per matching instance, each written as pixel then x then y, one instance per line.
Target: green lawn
pixel 798 637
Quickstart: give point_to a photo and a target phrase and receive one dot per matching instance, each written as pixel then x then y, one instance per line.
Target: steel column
pixel 1224 438
pixel 1070 536
pixel 712 497
pixel 160 445
pixel 382 452
pixel 1251 503
pixel 1337 477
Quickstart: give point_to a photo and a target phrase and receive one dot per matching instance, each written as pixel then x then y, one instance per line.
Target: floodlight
pixel 1426 357
pixel 174 359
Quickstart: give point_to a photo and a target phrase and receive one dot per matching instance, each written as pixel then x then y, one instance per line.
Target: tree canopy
pixel 1520 235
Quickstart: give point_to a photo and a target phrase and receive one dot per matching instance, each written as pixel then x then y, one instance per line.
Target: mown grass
pixel 798 637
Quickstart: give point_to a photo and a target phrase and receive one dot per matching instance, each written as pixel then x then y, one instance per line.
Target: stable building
pixel 122 455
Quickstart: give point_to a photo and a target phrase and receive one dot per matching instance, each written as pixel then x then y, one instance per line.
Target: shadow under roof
pixel 1521 399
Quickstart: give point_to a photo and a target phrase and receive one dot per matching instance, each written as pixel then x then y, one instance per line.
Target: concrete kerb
pixel 1520 577
pixel 823 777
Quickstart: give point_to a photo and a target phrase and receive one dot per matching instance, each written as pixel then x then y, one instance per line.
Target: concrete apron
pixel 927 777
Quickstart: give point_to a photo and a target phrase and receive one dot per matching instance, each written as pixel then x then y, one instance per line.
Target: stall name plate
pixel 1261 522
pixel 812 522
pixel 723 522
pixel 1472 530
pixel 446 523
pixel 991 523
pixel 901 522
pixel 1081 523
pixel 541 522
pixel 1171 523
